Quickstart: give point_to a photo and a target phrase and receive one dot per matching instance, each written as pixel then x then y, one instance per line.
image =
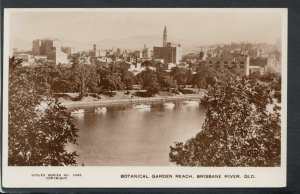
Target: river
pixel 125 136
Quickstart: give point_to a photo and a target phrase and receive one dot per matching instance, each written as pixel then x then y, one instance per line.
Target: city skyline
pixel 99 25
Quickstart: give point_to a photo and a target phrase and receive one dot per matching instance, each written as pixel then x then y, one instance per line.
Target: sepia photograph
pixel 145 88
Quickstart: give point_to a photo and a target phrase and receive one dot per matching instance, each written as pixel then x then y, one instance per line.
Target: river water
pixel 125 136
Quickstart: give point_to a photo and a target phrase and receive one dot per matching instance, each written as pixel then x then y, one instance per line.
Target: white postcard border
pixel 110 177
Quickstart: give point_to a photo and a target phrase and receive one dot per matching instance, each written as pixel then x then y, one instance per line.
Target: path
pixel 134 100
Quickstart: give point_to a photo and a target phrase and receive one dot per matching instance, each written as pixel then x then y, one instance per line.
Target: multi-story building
pixel 93 54
pixel 60 57
pixel 36 47
pixel 168 52
pixel 125 65
pixel 27 58
pixel 138 54
pixel 50 48
pixel 261 64
pixel 101 53
pixel 109 53
pixel 240 65
pixel 146 53
pixel 17 52
pixel 68 50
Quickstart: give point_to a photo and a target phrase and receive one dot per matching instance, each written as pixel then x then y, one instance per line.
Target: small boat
pixel 169 104
pixel 78 111
pixel 101 109
pixel 192 102
pixel 142 106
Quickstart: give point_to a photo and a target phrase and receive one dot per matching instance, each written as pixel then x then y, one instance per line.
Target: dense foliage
pixel 83 77
pixel 39 127
pixel 238 129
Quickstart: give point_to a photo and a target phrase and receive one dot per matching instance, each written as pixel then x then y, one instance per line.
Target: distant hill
pixel 20 44
pixel 136 42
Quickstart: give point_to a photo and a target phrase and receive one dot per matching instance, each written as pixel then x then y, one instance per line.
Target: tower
pixel 94 47
pixel 165 37
pixel 201 54
pixel 247 68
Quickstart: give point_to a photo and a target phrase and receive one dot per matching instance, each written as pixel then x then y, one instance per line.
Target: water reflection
pixel 169 105
pixel 135 137
pixel 144 110
pixel 101 112
pixel 78 116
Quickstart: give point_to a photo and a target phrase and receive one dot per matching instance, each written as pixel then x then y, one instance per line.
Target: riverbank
pixel 103 102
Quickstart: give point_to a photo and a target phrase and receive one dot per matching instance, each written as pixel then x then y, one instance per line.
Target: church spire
pixel 165 37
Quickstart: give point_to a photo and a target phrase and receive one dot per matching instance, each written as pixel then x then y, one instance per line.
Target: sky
pixel 89 25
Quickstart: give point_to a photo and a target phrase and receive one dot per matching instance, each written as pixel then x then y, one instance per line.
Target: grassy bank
pixel 121 98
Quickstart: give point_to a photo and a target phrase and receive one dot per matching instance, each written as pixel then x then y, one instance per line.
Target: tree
pixel 60 85
pixel 127 79
pixel 65 79
pixel 113 82
pixel 189 76
pixel 146 63
pixel 168 82
pixel 271 79
pixel 165 80
pixel 179 75
pixel 153 88
pixel 238 129
pixel 39 127
pixel 149 81
pixel 45 75
pixel 204 76
pixel 199 80
pixel 85 75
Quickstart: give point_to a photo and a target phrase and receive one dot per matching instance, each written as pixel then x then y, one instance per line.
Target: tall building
pixel 201 54
pixel 36 47
pixel 169 53
pixel 50 48
pixel 165 39
pixel 146 53
pixel 93 53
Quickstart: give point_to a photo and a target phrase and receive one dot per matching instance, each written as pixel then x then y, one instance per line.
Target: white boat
pixel 193 102
pixel 169 104
pixel 142 106
pixel 78 111
pixel 101 109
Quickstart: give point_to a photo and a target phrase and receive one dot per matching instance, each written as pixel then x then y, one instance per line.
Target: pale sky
pixel 205 26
